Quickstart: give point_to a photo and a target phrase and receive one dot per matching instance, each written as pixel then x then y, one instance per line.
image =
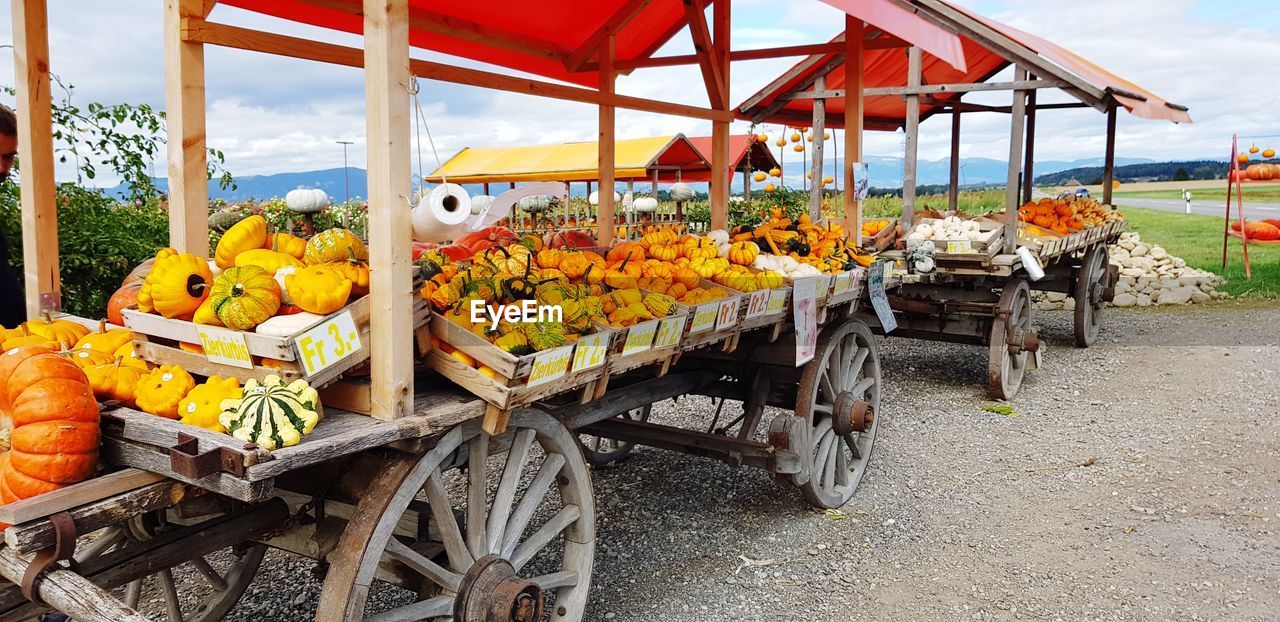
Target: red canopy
pixel 744 152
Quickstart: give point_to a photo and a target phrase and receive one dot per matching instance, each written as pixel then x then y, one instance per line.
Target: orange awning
pixel 634 159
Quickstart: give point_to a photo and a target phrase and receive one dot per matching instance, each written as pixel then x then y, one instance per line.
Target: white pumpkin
pixel 719 236
pixel 646 204
pixel 287 325
pixel 280 278
pixel 536 203
pixel 306 200
pixel 594 198
pixel 479 203
pixel 681 191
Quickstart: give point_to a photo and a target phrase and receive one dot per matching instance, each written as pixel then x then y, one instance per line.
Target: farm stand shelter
pixel 746 154
pixel 583 44
pixel 900 88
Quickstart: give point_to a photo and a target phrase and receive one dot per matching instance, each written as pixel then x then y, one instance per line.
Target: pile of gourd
pixel 949 228
pixel 271 283
pixel 800 248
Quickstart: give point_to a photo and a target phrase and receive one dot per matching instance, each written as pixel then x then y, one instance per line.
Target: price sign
pixel 590 351
pixel 758 304
pixel 824 285
pixel 225 347
pixel 777 301
pixel 328 343
pixel 855 279
pixel 880 272
pixel 550 365
pixel 804 303
pixel 704 317
pixel 727 317
pixel 669 332
pixel 841 283
pixel 640 338
pixel 959 246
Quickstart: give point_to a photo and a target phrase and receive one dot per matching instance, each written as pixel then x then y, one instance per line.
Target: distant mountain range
pixel 1146 171
pixel 885 172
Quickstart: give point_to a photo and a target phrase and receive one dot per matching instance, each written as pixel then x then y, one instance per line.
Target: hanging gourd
pixel 272 414
pixel 762 138
pixel 306 200
pixel 826 136
pixel 770 188
pixel 681 192
pixel 826 181
pixel 594 198
pixel 1268 153
pixel 50 435
pixel 1243 158
pixel 247 234
pixel 176 286
pixel 286 243
pixel 266 259
pixel 334 245
pixel 795 137
pixel 775 172
pixel 534 204
pixel 116 380
pixel 759 176
pixel 202 406
pixel 1253 149
pixel 162 388
pixel 781 142
pixel 244 297
pixel 318 289
pixel 797 147
pixel 645 204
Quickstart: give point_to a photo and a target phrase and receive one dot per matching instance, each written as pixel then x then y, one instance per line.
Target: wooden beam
pixel 1017 125
pixel 1109 159
pixel 778 103
pixel 817 129
pixel 799 69
pixel 853 77
pixel 932 89
pixel 35 142
pixel 1029 160
pixel 720 165
pixel 605 147
pixel 386 80
pixel 953 189
pixel 294 47
pixel 912 143
pixel 208 7
pixel 612 26
pixel 799 118
pixel 422 20
pixel 185 121
pixel 703 49
pixel 881 43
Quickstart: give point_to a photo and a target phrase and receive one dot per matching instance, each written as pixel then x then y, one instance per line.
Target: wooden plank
pixel 35 140
pixel 720 165
pixel 1109 159
pixel 854 77
pixel 935 89
pixel 295 47
pixel 912 140
pixel 817 129
pixel 604 145
pixel 69 592
pixel 798 70
pixel 386 53
pixel 143 456
pixel 185 122
pixel 75 495
pixel 180 330
pixel 38 534
pixel 696 15
pixel 198 364
pixel 1015 164
pixel 882 43
pixel 611 27
pixel 133 425
pixel 1029 160
pixel 953 189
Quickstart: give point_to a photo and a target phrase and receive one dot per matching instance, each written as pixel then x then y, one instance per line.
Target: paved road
pixel 1208 208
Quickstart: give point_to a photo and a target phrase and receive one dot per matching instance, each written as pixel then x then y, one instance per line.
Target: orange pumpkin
pixel 629 251
pixel 124 298
pixel 1261 231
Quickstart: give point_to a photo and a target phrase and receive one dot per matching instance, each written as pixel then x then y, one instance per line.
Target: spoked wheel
pixel 839 398
pixel 474 555
pixel 600 451
pixel 1013 339
pixel 1088 294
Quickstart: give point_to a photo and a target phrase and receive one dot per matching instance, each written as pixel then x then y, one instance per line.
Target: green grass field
pixel 1198 240
pixel 1252 194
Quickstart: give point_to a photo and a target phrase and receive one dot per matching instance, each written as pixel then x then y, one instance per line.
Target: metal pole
pixel 346 181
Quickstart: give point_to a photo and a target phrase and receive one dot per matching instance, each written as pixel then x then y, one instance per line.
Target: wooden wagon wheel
pixel 600 451
pixel 1088 294
pixel 490 552
pixel 839 398
pixel 1013 339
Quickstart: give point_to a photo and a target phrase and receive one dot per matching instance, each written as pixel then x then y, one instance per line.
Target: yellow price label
pixel 550 365
pixel 758 304
pixel 824 285
pixel 590 351
pixel 959 246
pixel 777 301
pixel 669 332
pixel 640 338
pixel 841 283
pixel 225 347
pixel 328 343
pixel 704 317
pixel 728 314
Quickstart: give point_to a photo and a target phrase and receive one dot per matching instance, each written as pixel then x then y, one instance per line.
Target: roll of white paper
pixel 439 214
pixel 1030 263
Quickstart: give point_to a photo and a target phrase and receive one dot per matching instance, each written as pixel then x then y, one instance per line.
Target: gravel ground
pixel 1139 480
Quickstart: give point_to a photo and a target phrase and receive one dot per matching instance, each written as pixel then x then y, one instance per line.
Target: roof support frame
pixel 590 47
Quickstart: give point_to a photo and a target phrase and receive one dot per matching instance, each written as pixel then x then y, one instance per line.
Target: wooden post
pixel 35 141
pixel 386 80
pixel 1028 163
pixel 746 183
pixel 1017 124
pixel 953 192
pixel 184 118
pixel 720 129
pixel 853 75
pixel 486 187
pixel 913 140
pixel 819 126
pixel 1109 161
pixel 604 146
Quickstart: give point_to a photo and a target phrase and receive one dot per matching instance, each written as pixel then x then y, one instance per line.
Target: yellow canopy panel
pixel 633 158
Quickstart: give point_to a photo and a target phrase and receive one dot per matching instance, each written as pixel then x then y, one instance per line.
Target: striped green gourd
pixel 271 413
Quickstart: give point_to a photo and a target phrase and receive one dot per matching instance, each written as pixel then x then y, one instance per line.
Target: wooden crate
pixel 637 346
pixel 511 389
pixel 696 335
pixel 983 249
pixel 882 240
pixel 156 340
pixel 773 314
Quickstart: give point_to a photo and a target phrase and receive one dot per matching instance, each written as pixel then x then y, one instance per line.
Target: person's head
pixel 8 141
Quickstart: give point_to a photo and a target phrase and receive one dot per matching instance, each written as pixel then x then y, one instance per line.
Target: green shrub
pixel 99 241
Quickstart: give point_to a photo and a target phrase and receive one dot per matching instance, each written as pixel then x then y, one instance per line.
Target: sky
pixel 271 115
